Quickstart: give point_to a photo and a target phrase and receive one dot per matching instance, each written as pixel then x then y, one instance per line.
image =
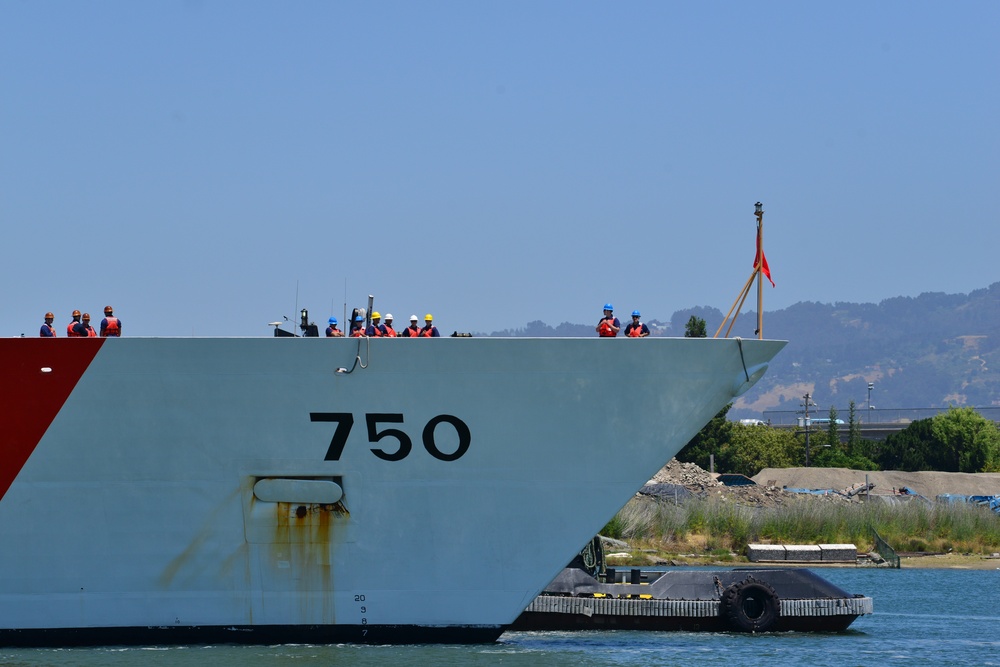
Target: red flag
pixel 761 261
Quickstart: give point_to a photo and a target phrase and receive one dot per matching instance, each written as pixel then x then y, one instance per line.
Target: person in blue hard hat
pixel 358 328
pixel 609 326
pixel 635 328
pixel 332 331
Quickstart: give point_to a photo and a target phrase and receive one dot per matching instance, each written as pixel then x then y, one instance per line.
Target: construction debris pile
pixel 702 484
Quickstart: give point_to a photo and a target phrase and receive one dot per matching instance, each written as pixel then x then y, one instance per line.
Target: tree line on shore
pixel 959 440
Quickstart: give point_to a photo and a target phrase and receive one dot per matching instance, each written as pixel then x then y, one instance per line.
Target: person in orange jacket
pixel 110 325
pixel 413 330
pixel 71 327
pixel 635 328
pixel 609 325
pixel 83 329
pixel 387 329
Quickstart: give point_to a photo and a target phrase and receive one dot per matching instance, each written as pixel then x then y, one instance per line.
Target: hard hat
pixel 635 313
pixel 49 316
pixel 76 313
pixel 86 316
pixel 388 316
pixel 376 316
pixel 333 320
pixel 358 318
pixel 108 310
pixel 608 306
pixel 413 318
pixel 428 317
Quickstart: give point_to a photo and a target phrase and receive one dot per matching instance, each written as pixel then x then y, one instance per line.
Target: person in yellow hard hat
pixel 71 327
pixel 429 330
pixel 48 331
pixel 375 328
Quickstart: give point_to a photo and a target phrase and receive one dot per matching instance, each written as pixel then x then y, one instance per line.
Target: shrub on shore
pixel 713 524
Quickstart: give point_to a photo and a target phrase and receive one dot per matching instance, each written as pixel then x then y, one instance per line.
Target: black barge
pixel 738 600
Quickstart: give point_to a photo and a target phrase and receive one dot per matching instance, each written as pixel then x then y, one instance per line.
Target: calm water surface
pixel 922 617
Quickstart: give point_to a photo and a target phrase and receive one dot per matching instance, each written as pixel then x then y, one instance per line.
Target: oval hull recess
pixel 301 491
pixel 245 490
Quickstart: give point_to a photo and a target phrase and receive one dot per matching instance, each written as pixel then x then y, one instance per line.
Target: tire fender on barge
pixel 750 606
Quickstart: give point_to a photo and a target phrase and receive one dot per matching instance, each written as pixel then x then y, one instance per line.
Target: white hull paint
pixel 136 509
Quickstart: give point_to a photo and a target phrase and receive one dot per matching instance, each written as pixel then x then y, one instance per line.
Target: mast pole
pixel 759 212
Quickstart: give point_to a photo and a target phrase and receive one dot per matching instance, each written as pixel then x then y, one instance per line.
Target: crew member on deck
pixel 47 330
pixel 332 331
pixel 358 330
pixel 83 329
pixel 387 329
pixel 429 330
pixel 110 325
pixel 609 325
pixel 413 330
pixel 374 329
pixel 635 328
pixel 71 327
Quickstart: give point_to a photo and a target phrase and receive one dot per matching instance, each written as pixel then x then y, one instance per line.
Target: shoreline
pixel 913 561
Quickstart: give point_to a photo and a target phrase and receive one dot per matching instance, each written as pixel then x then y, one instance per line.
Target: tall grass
pixel 715 524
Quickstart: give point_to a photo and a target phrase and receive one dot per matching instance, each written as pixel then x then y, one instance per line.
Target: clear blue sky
pixel 207 167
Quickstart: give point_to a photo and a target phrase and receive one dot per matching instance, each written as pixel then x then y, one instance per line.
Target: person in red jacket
pixel 71 327
pixel 110 325
pixel 608 326
pixel 47 330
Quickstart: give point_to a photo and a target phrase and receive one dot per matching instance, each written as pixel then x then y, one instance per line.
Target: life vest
pixel 411 331
pixel 90 331
pixel 427 332
pixel 51 333
pixel 376 331
pixel 605 330
pixel 112 327
pixel 358 333
pixel 70 332
pixel 333 332
pixel 635 331
pixel 388 331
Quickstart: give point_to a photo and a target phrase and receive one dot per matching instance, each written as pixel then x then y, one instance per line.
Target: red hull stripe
pixel 31 397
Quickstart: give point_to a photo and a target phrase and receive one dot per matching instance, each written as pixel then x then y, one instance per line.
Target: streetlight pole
pixel 871 385
pixel 806 423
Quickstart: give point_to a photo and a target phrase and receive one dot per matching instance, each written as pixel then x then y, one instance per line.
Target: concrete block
pixel 838 553
pixel 809 553
pixel 765 552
